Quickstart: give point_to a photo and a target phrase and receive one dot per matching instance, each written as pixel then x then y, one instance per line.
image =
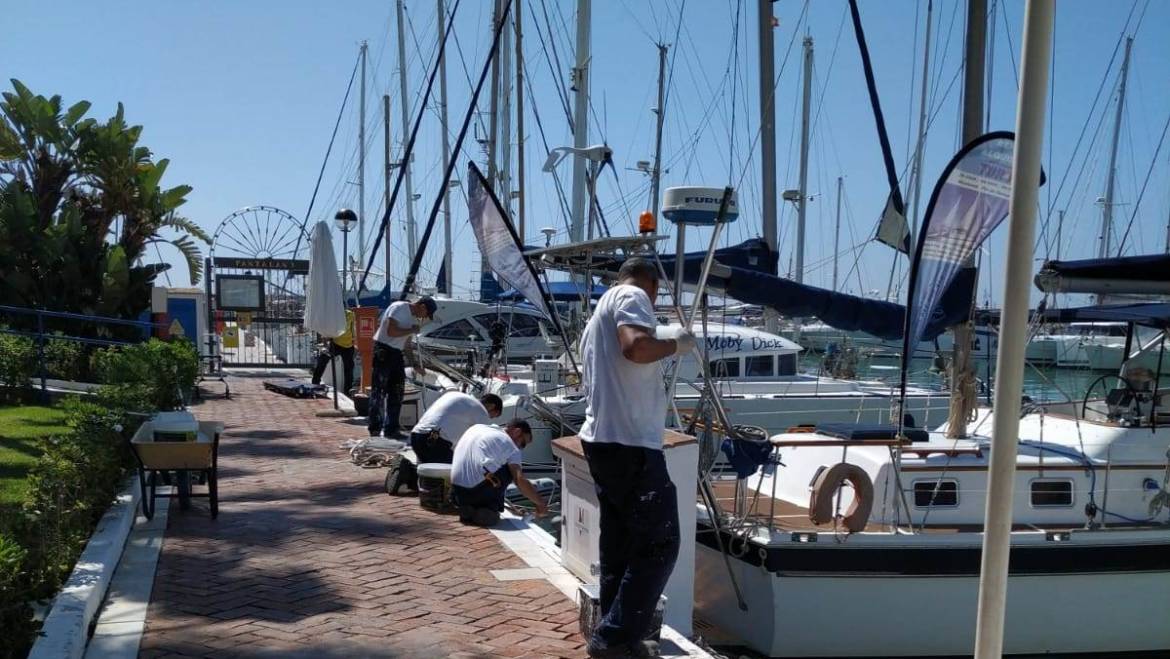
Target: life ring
pixel 822 502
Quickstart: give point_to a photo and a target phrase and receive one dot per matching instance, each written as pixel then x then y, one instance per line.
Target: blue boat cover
pixel 1149 267
pixel 751 281
pixel 745 457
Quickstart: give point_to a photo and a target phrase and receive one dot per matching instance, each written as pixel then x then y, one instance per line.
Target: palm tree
pixel 80 201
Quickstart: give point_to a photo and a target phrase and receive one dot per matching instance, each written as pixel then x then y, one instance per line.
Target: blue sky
pixel 242 98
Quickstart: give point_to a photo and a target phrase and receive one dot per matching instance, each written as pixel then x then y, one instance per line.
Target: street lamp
pixel 345 219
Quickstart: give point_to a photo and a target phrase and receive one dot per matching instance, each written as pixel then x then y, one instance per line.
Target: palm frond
pixel 191 254
pixel 186 225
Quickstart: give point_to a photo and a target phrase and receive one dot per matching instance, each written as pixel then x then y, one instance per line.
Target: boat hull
pixel 1090 593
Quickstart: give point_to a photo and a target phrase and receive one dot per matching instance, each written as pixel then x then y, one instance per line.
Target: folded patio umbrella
pixel 324 309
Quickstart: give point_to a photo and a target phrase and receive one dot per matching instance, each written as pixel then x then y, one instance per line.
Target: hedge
pixel 77 477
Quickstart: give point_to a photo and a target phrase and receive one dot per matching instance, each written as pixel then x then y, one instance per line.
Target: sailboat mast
pixel 580 84
pixel 411 238
pixel 441 10
pixel 837 233
pixel 660 113
pixel 1107 201
pixel 361 171
pixel 503 186
pixel 386 173
pixel 1035 59
pixel 520 122
pixel 963 395
pixel 802 202
pixel 765 24
pixel 916 173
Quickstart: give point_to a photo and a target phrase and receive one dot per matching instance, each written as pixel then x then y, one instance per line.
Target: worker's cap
pixel 428 304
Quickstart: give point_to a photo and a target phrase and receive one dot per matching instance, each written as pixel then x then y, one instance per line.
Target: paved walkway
pixel 310 557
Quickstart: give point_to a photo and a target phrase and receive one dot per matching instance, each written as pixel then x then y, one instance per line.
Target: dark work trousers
pixel 429 446
pixel 325 357
pixel 488 494
pixel 389 380
pixel 639 537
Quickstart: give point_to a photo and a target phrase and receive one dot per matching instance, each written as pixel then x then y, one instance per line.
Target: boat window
pixel 550 329
pixel 1055 493
pixel 786 364
pixel 522 326
pixel 725 368
pixel 926 496
pixel 460 330
pixel 759 366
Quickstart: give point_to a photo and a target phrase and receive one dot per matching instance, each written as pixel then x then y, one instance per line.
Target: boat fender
pixel 821 505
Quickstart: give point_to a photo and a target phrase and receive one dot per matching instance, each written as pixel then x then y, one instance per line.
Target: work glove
pixel 684 343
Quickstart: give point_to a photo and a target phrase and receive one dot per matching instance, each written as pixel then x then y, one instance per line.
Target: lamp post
pixel 345 220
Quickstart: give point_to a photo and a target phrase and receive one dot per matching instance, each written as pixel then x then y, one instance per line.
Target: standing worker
pixel 395 328
pixel 434 437
pixel 341 345
pixel 625 417
pixel 486 460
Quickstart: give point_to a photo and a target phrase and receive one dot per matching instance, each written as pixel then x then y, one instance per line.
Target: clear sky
pixel 242 97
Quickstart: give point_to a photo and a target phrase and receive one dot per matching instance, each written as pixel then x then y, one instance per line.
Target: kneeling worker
pixel 434 436
pixel 486 460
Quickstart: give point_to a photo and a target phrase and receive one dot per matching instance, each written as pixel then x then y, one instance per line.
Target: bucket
pixel 434 487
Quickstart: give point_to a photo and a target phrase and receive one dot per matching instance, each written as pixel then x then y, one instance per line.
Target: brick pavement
pixel 310 557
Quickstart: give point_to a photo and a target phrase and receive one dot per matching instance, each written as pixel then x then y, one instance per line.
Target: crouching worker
pixel 487 460
pixel 434 436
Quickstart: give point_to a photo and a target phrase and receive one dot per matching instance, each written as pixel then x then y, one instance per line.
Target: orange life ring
pixel 821 503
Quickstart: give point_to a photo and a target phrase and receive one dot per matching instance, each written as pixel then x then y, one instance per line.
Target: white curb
pixel 63 635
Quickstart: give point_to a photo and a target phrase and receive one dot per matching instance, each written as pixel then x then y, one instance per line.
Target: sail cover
pixel 498 241
pixel 1136 275
pixel 969 201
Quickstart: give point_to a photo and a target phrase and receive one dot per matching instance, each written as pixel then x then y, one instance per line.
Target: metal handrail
pixel 40 335
pixel 106 320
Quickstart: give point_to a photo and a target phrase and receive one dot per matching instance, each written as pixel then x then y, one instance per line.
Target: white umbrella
pixel 324 306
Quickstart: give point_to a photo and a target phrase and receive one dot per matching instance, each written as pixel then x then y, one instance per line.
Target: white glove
pixel 684 343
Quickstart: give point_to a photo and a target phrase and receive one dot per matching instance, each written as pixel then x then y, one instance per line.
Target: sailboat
pixel 895 564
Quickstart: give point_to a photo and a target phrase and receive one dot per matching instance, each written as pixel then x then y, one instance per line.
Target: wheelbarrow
pixel 158 460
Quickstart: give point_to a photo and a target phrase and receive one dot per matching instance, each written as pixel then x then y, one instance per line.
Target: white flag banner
pixel 498 241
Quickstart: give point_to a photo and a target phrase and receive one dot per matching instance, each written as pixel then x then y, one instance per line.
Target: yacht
pixel 462 326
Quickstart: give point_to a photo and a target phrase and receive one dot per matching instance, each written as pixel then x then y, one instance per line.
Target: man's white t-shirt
pixel 482 448
pixel 399 312
pixel 452 414
pixel 625 402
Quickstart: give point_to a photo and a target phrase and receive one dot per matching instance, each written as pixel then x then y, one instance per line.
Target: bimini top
pixel 1134 275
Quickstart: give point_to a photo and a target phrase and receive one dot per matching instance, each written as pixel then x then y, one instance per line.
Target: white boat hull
pixel 836 613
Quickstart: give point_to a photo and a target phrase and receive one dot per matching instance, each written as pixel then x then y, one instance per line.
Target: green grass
pixel 22 429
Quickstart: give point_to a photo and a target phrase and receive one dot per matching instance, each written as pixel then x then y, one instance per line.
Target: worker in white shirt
pixel 625 417
pixel 433 438
pixel 395 328
pixel 486 460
